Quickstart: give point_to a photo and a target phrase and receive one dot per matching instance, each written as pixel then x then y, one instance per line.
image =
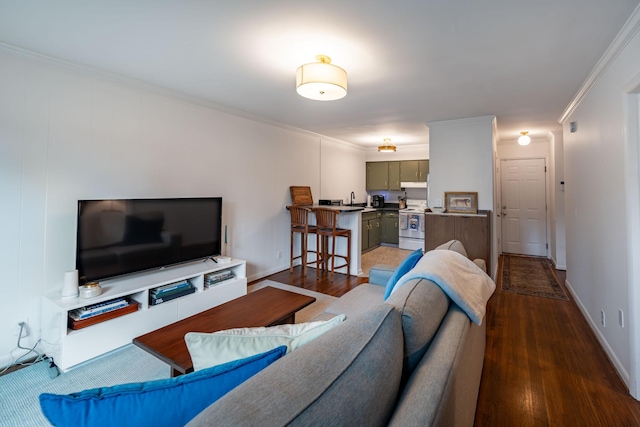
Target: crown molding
pixel 94 72
pixel 626 34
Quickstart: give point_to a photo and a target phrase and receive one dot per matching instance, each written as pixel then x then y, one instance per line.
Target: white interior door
pixel 524 212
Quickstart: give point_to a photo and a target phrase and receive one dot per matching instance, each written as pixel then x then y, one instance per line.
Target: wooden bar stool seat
pixel 326 223
pixel 300 225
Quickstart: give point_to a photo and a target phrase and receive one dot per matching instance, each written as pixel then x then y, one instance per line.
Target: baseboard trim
pixel 624 375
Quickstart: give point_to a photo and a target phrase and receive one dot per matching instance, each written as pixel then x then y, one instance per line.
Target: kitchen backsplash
pixel 392 196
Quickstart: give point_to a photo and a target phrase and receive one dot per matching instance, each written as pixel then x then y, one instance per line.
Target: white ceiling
pixel 409 62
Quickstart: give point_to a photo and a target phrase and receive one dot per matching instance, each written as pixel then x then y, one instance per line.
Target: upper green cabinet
pixel 377 175
pixel 388 175
pixel 414 170
pixel 423 170
pixel 394 176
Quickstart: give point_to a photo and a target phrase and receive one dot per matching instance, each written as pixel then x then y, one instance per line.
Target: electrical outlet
pixel 602 319
pixel 621 317
pixel 25 329
pixel 278 254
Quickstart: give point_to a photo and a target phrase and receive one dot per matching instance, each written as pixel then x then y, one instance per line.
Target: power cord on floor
pixel 53 369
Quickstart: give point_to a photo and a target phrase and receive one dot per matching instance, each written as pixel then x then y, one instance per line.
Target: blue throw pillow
pixel 169 402
pixel 406 265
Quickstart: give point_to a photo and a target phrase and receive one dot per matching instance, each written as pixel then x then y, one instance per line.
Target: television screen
pixel 117 237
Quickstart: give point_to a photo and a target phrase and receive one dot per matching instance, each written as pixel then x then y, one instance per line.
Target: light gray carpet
pixel 19 390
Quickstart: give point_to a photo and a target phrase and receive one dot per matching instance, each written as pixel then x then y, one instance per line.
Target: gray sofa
pixel 413 360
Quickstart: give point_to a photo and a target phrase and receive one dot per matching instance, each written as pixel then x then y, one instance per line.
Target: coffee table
pixel 268 306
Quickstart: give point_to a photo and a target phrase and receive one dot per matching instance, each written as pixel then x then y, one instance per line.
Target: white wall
pixel 339 176
pixel 461 159
pixel 596 201
pixel 403 152
pixel 537 149
pixel 67 135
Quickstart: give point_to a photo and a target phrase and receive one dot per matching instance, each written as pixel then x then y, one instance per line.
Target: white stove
pixel 411 225
pixel 415 205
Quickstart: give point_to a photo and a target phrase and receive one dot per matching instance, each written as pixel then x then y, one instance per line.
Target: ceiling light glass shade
pixel 387 147
pixel 524 139
pixel 321 81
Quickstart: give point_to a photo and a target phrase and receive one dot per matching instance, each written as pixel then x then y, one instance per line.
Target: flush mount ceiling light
pixel 525 139
pixel 387 147
pixel 321 81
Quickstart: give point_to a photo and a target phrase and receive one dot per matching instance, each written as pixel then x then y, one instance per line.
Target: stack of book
pixel 93 310
pixel 171 291
pixel 216 277
pixel 99 312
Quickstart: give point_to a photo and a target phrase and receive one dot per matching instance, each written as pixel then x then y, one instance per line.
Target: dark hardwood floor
pixel 543 365
pixel 318 281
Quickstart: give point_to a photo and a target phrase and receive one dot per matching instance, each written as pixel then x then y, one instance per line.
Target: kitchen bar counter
pixel 350 217
pixel 339 208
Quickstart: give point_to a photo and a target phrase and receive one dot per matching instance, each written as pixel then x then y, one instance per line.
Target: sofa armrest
pixel 480 263
pixel 379 274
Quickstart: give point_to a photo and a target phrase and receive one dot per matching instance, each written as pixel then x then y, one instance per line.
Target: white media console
pixel 70 347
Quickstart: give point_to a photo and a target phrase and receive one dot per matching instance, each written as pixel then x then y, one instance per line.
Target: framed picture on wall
pixel 461 202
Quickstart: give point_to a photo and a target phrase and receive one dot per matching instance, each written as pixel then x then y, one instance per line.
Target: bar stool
pixel 300 224
pixel 326 223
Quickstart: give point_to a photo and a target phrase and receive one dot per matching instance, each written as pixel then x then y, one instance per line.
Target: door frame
pixel 632 181
pixel 547 189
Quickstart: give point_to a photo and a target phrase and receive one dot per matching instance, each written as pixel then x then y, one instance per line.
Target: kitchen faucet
pixel 353 196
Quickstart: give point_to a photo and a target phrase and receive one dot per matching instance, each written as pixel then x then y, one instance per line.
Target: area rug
pixel 530 276
pixel 322 300
pixel 382 255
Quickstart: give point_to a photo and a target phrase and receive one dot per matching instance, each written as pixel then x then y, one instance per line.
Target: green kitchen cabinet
pixel 387 176
pixel 377 176
pixel 394 176
pixel 390 228
pixel 371 230
pixel 423 170
pixel 414 170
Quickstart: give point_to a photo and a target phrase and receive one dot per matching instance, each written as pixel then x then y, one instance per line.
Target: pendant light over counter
pixel 321 81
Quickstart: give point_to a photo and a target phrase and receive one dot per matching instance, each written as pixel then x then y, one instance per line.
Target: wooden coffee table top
pixel 265 307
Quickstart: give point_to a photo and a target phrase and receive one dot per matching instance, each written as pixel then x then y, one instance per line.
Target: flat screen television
pixel 123 236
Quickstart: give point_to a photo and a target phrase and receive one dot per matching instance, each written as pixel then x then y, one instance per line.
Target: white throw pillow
pixel 216 348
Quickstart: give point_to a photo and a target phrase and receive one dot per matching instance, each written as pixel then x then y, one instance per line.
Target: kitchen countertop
pixel 360 207
pixel 343 208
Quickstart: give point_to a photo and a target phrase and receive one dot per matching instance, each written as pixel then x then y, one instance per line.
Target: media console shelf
pixel 70 347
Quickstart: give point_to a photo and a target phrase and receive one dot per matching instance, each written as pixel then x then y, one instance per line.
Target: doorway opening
pixel 524 207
